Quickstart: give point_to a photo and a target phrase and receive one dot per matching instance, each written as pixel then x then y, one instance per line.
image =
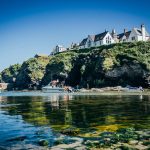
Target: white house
pixel 58 49
pixel 73 46
pixel 135 34
pixel 123 37
pixel 107 38
pixel 104 38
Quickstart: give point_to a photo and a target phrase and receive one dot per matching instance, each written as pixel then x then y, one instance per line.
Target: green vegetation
pixel 32 72
pixel 8 74
pixel 111 65
pixel 59 67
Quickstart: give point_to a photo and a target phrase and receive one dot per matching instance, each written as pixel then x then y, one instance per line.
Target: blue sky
pixel 28 27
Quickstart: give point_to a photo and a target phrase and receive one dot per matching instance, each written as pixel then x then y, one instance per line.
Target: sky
pixel 29 27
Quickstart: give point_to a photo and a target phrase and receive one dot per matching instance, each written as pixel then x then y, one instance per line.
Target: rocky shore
pixel 122 139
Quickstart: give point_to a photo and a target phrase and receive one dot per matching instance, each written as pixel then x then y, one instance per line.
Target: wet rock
pixel 125 147
pixel 77 144
pixel 20 138
pixel 133 142
pixel 43 142
pixel 2 148
pixel 146 142
pixel 70 131
pixel 141 147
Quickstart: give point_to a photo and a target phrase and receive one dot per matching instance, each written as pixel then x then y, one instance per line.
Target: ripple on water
pixel 14 130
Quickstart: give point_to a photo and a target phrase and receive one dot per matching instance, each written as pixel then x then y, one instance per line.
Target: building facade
pixel 136 34
pixel 58 49
pixel 106 38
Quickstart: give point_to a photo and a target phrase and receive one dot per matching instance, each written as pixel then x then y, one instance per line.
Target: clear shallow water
pixel 35 116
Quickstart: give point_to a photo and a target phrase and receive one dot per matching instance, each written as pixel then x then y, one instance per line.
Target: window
pixel 108 40
pixel 89 43
pixel 133 38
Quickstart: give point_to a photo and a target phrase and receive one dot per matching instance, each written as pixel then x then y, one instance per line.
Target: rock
pixel 2 148
pixel 20 138
pixel 146 142
pixel 77 144
pixel 97 90
pixel 43 142
pixel 125 147
pixel 133 142
pixel 141 147
pixel 70 131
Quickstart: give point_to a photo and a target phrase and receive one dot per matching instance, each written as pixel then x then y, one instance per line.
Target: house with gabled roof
pixel 104 38
pixel 58 49
pixel 136 34
pixel 83 43
pixel 123 37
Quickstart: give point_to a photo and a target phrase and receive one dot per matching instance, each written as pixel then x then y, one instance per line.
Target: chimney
pixel 114 34
pixel 143 32
pixel 125 31
pixel 113 31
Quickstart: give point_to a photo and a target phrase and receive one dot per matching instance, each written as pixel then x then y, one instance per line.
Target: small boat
pixel 55 87
pixel 132 89
pixel 52 89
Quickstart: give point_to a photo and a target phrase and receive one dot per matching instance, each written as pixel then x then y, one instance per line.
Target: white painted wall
pixel 98 43
pixel 124 39
pixel 137 37
pixel 134 34
pixel 104 41
pixel 89 40
pixel 58 49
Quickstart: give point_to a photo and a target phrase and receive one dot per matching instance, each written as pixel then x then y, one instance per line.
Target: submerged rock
pixel 20 138
pixel 43 142
pixel 75 144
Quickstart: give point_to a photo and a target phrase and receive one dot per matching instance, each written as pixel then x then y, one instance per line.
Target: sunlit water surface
pixel 35 115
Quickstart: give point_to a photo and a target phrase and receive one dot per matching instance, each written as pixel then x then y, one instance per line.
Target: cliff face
pixel 118 64
pixel 31 73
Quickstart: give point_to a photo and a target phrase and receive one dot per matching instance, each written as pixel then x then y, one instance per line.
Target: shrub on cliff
pixel 9 75
pixel 31 72
pixel 108 65
pixel 59 67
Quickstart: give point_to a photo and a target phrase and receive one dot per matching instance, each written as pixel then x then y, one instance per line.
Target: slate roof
pixel 122 34
pixel 139 32
pixel 92 37
pixel 100 36
pixel 83 42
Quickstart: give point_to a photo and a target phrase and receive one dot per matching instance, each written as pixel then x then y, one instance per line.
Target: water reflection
pixel 60 111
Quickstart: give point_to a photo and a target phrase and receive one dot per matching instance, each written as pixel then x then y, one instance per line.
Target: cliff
pixel 112 65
